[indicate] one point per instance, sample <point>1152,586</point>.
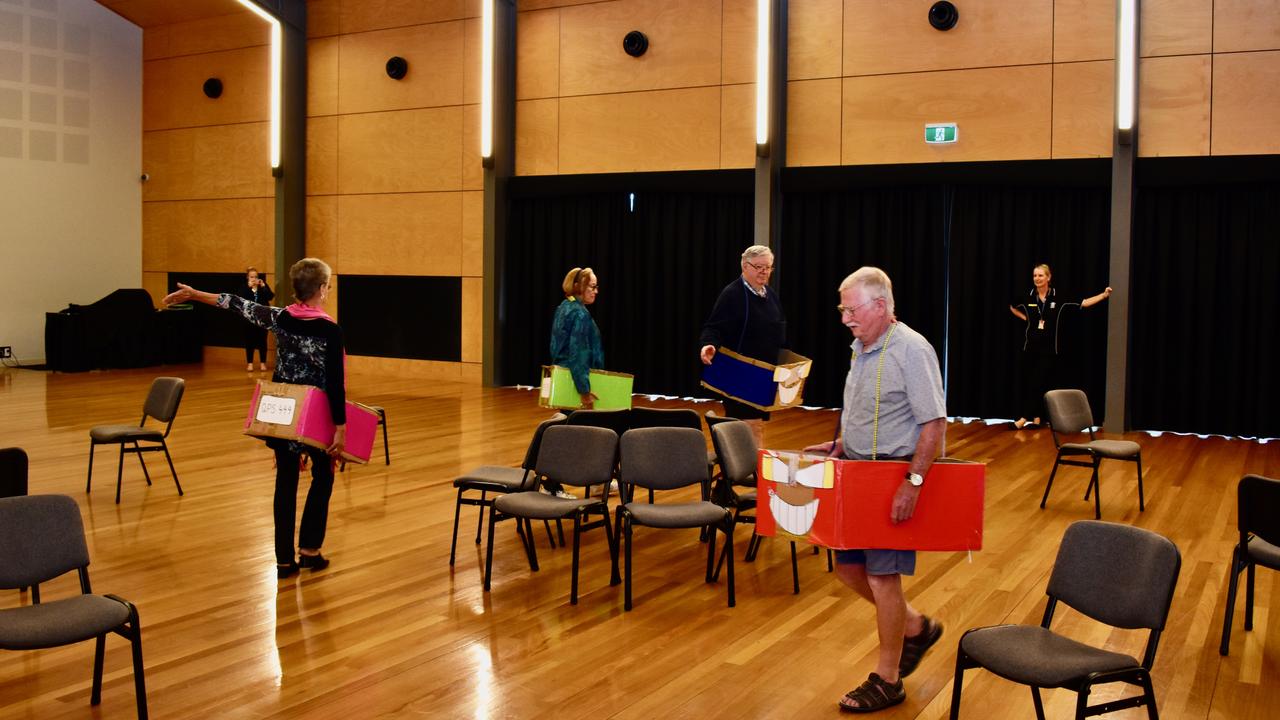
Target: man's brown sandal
<point>914,647</point>
<point>872,695</point>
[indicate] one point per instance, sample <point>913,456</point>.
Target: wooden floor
<point>390,630</point>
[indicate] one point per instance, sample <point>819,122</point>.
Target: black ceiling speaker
<point>397,67</point>
<point>213,88</point>
<point>635,43</point>
<point>943,15</point>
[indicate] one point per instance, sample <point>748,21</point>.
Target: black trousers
<point>315,513</point>
<point>1039,376</point>
<point>255,338</point>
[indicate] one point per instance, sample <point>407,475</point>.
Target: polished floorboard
<point>390,630</point>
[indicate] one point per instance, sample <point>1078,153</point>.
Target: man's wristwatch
<point>915,479</point>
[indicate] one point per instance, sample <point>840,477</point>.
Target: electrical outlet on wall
<point>6,351</point>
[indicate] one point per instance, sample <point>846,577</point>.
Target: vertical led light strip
<point>486,81</point>
<point>1126,64</point>
<point>763,21</point>
<point>277,51</point>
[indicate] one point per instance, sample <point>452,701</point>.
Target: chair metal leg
<point>560,531</point>
<point>795,571</point>
<point>1233,581</point>
<point>139,676</point>
<point>1049,484</point>
<point>164,446</point>
<point>1248,589</point>
<point>551,538</point>
<point>614,577</point>
<point>1097,491</point>
<point>1142,505</point>
<point>1035,698</point>
<point>386,447</point>
<point>626,579</point>
<point>457,512</point>
<point>711,552</point>
<point>137,450</point>
<point>1082,702</point>
<point>831,561</point>
<point>89,480</point>
<point>480,520</point>
<point>119,473</point>
<point>488,554</point>
<point>577,539</point>
<point>957,685</point>
<point>528,533</point>
<point>99,649</point>
<point>728,545</point>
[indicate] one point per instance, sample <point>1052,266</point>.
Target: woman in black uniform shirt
<point>255,290</point>
<point>1041,310</point>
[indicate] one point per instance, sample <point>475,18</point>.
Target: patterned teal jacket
<point>575,342</point>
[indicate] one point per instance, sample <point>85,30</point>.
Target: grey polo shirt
<point>910,394</point>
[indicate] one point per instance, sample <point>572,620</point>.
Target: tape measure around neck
<point>875,418</point>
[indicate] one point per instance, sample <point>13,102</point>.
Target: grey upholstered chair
<point>1069,414</point>
<point>668,459</point>
<point>578,456</point>
<point>41,538</point>
<point>162,404</point>
<point>1116,574</point>
<point>498,480</point>
<point>1259,524</point>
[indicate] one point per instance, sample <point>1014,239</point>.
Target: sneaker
<point>565,496</point>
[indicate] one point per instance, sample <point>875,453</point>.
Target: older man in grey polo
<point>894,409</point>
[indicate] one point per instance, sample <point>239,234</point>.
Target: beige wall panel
<point>813,122</point>
<point>472,167</point>
<point>684,49</point>
<point>472,8</point>
<point>738,26</point>
<point>225,32</point>
<point>738,126</point>
<point>814,34</point>
<point>419,369</point>
<point>401,234</point>
<point>473,233</point>
<point>173,94</point>
<point>1173,105</point>
<point>990,33</point>
<point>322,155</point>
<point>1245,25</point>
<point>211,235</point>
<point>322,76</point>
<point>1083,109</point>
<point>322,230</point>
<point>523,5</point>
<point>157,285</point>
<point>435,60</point>
<point>1002,114</point>
<point>537,137</point>
<point>404,151</point>
<point>1083,30</point>
<point>471,41</point>
<point>365,15</point>
<point>472,319</point>
<point>1176,27</point>
<point>324,18</point>
<point>638,132</point>
<point>335,286</point>
<point>224,161</point>
<point>538,54</point>
<point>1246,121</point>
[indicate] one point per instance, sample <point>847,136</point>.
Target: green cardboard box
<point>612,389</point>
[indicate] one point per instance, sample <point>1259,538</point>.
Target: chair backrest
<point>735,446</point>
<point>13,472</point>
<point>162,401</point>
<point>618,421</point>
<point>664,458</point>
<point>1259,507</point>
<point>1068,412</point>
<point>644,417</point>
<point>1117,574</point>
<point>41,537</point>
<point>714,419</point>
<point>531,454</point>
<point>577,455</point>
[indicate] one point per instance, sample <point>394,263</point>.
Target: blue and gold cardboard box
<point>755,382</point>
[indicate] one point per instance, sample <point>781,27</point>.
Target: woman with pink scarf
<point>309,351</point>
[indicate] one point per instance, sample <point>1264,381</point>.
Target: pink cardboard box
<point>301,413</point>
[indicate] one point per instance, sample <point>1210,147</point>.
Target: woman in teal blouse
<point>575,339</point>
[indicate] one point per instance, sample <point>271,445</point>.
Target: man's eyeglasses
<point>851,309</point>
<point>760,268</point>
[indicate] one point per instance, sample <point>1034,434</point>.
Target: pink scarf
<point>307,312</point>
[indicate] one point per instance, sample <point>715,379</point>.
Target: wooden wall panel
<point>814,34</point>
<point>1245,120</point>
<point>1240,25</point>
<point>523,5</point>
<point>472,319</point>
<point>1176,27</point>
<point>416,369</point>
<point>225,32</point>
<point>1083,109</point>
<point>173,94</point>
<point>1083,30</point>
<point>402,151</point>
<point>471,49</point>
<point>211,235</point>
<point>322,76</point>
<point>684,49</point>
<point>1002,113</point>
<point>322,155</point>
<point>358,16</point>
<point>636,132</point>
<point>537,137</point>
<point>324,18</point>
<point>538,54</point>
<point>472,167</point>
<point>225,161</point>
<point>401,234</point>
<point>738,126</point>
<point>1173,105</point>
<point>473,233</point>
<point>738,28</point>
<point>322,230</point>
<point>435,57</point>
<point>990,33</point>
<point>157,285</point>
<point>813,122</point>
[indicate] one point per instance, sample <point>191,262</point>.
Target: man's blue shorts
<point>880,562</point>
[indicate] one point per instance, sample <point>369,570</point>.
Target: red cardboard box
<point>845,504</point>
<point>301,413</point>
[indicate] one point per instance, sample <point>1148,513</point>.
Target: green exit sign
<point>940,133</point>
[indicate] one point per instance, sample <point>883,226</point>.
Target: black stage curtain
<point>827,235</point>
<point>998,234</point>
<point>1203,319</point>
<point>661,261</point>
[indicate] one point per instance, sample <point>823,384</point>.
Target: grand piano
<point>122,330</point>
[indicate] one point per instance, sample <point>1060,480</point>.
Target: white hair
<point>874,281</point>
<point>755,251</point>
